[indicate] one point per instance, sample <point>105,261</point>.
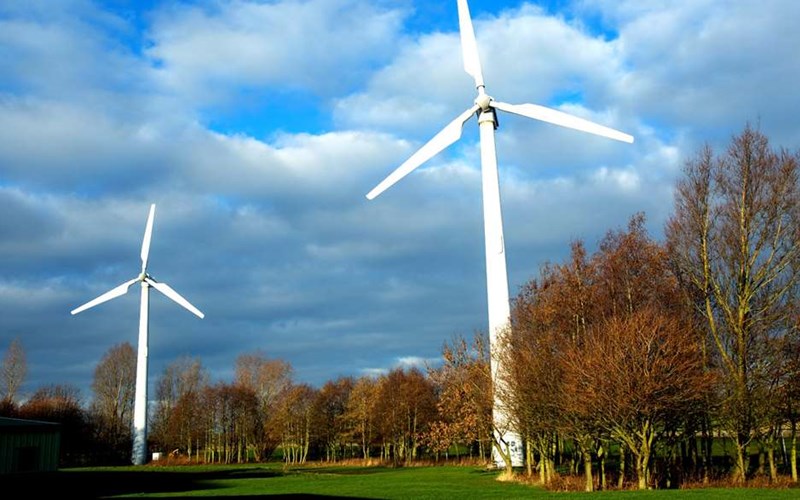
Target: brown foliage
<point>62,404</point>
<point>600,345</point>
<point>405,407</point>
<point>271,381</point>
<point>464,390</point>
<point>291,424</point>
<point>179,419</point>
<point>232,422</point>
<point>360,413</point>
<point>636,379</point>
<point>329,422</point>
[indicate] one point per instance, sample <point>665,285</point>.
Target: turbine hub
<point>483,100</point>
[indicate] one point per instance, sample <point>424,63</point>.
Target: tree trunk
<point>587,471</point>
<point>773,469</point>
<point>784,451</point>
<point>543,472</point>
<point>529,456</point>
<point>601,459</point>
<point>740,472</point>
<point>793,452</point>
<point>707,443</point>
<point>505,454</point>
<point>558,447</point>
<point>621,480</point>
<point>641,470</point>
<point>686,453</point>
<point>643,463</point>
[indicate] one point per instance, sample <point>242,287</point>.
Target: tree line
<point>632,364</point>
<point>662,351</point>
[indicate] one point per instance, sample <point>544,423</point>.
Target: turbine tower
<point>139,452</point>
<point>496,275</point>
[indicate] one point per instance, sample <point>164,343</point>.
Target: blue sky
<point>257,128</point>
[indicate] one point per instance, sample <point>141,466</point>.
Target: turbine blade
<point>148,233</point>
<point>111,294</point>
<point>469,47</point>
<point>175,296</point>
<point>563,119</point>
<point>447,136</point>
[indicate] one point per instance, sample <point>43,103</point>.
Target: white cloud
<point>204,50</point>
<point>373,372</point>
<point>416,362</point>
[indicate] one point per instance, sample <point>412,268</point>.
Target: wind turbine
<point>139,453</point>
<point>496,275</point>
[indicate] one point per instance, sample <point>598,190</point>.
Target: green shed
<point>28,445</point>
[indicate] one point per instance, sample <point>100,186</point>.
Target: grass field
<point>256,481</point>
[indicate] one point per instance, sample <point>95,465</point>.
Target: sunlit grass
<point>437,482</point>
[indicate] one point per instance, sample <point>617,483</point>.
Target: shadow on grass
<point>91,484</point>
<point>340,470</point>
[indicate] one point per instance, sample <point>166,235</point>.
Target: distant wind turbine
<point>496,275</point>
<point>140,405</point>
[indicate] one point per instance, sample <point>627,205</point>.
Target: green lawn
<point>272,480</point>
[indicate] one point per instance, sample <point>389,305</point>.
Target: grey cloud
<point>271,236</point>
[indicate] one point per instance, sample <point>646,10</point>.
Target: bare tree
<point>269,377</point>
<point>114,387</point>
<point>13,372</point>
<point>789,394</point>
<point>178,417</point>
<point>231,417</point>
<point>734,238</point>
<point>270,380</point>
<point>293,421</point>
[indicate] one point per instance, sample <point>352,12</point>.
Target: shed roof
<point>21,424</point>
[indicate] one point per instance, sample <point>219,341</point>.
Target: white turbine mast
<point>496,275</point>
<point>139,452</point>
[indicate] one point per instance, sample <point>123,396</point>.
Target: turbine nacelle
<point>483,101</point>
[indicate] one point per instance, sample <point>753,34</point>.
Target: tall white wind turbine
<point>139,452</point>
<point>496,276</point>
